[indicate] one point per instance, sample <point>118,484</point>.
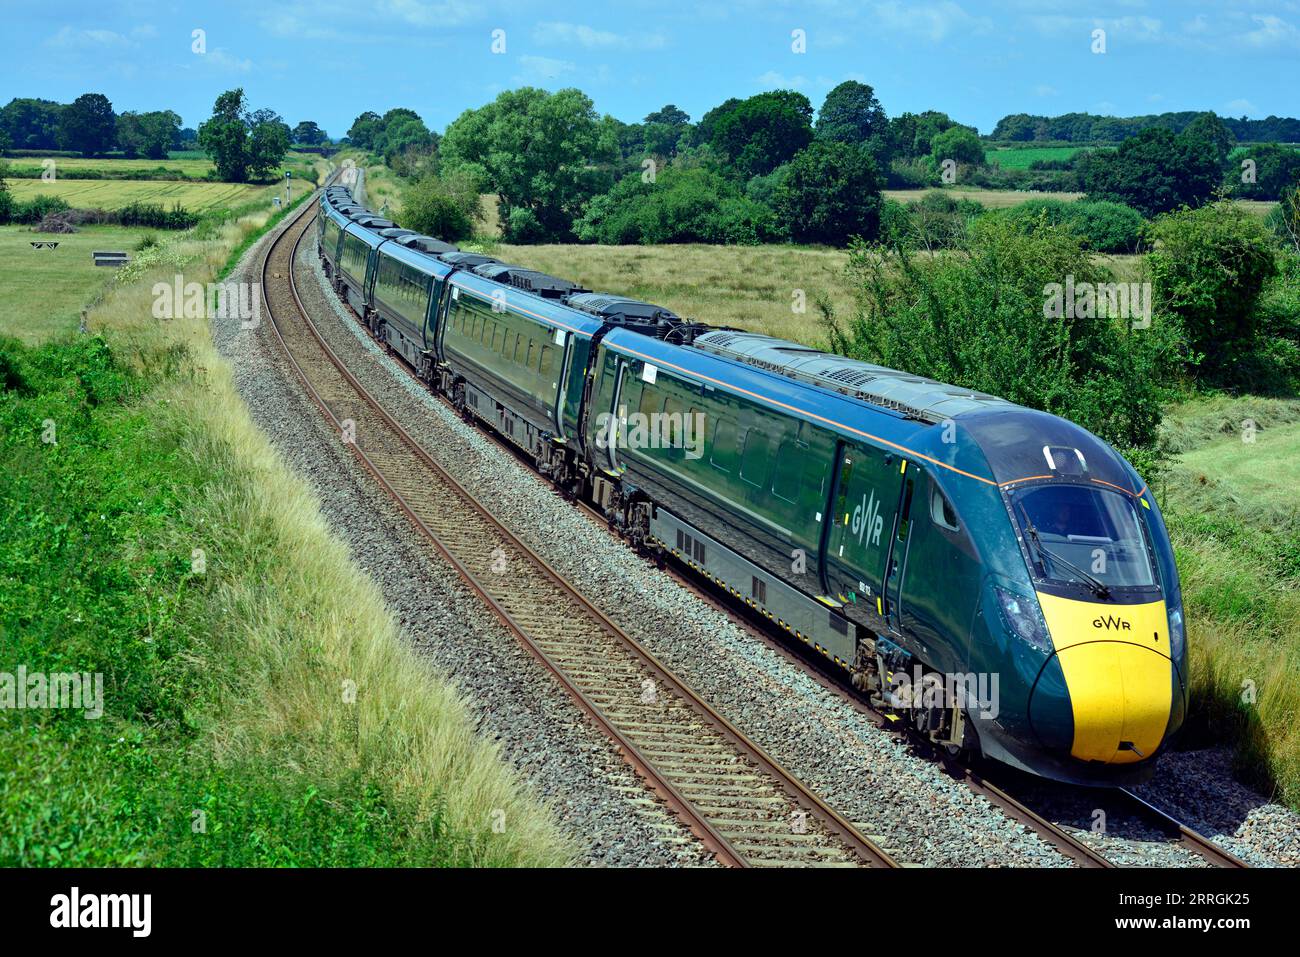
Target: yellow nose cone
<point>1115,659</point>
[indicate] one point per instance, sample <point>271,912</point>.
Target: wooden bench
<point>103,258</point>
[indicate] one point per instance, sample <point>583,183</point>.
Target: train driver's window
<point>941,510</point>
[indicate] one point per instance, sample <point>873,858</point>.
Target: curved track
<point>743,805</point>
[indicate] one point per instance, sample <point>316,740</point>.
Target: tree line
<point>89,126</point>
<point>1091,129</point>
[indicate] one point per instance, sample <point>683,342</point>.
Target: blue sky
<point>329,60</point>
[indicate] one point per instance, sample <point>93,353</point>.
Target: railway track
<point>745,807</point>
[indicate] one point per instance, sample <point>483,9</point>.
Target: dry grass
<point>749,287</point>
<point>304,620</point>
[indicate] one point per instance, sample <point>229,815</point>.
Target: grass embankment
<point>259,706</point>
<point>1234,518</point>
<point>116,193</point>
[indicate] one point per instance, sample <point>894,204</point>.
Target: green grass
<point>1234,519</point>
<point>44,290</point>
<point>227,737</point>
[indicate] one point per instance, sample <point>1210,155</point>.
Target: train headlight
<point>1177,633</point>
<point>1022,617</point>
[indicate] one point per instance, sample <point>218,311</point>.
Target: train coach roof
<point>911,395</point>
<point>465,260</point>
<point>426,244</point>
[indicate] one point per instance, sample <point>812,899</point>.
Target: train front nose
<point>1110,689</point>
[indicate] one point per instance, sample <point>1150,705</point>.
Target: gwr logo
<point>867,521</point>
<point>1111,621</point>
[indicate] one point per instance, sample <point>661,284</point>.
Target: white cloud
<point>1239,107</point>
<point>552,33</point>
<point>1272,32</point>
<point>930,21</point>
<point>538,70</point>
<point>220,58</point>
<point>419,13</point>
<point>1044,90</point>
<point>68,38</point>
<point>773,80</point>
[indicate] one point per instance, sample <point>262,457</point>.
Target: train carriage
<point>906,529</point>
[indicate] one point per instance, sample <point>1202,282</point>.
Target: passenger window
<point>785,484</point>
<point>723,453</point>
<point>544,362</point>
<point>941,510</point>
<point>651,402</point>
<point>755,463</point>
<point>532,351</point>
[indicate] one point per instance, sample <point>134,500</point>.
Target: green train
<point>996,576</point>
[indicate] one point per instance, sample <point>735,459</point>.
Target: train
<point>995,577</point>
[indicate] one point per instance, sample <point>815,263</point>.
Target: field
<point>1019,157</point>
<point>181,165</point>
<point>1235,523</point>
<point>114,194</point>
<point>751,287</point>
<point>44,290</point>
<point>990,198</point>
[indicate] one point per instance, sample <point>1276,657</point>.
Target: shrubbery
<point>978,320</point>
<point>443,207</point>
<point>1103,227</point>
<point>681,206</point>
<point>1209,268</point>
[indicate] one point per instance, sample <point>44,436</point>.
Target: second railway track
<point>741,804</point>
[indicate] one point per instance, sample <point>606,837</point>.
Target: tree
<point>88,125</point>
<point>547,152</point>
<point>959,144</point>
<point>1274,169</point>
<point>147,134</point>
<point>669,115</point>
<point>363,130</point>
<point>267,143</point>
<point>703,132</point>
<point>1211,137</point>
<point>308,133</point>
<point>830,193</point>
<point>1209,268</point>
<point>241,143</point>
<point>31,124</point>
<point>1154,172</point>
<point>764,131</point>
<point>851,114</point>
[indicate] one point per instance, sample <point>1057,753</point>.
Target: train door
<point>899,547</point>
<point>866,500</point>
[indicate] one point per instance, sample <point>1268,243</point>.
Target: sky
<point>328,60</point>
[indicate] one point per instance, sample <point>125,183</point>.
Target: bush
<point>830,194</point>
<point>443,208</point>
<point>6,201</point>
<point>1209,268</point>
<point>522,226</point>
<point>37,208</point>
<point>156,216</point>
<point>682,206</point>
<point>936,221</point>
<point>1102,226</point>
<point>979,320</point>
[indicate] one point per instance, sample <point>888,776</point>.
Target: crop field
<point>114,194</point>
<point>196,168</point>
<point>1019,157</point>
<point>44,290</point>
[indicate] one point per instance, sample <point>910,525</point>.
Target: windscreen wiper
<point>1098,587</point>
